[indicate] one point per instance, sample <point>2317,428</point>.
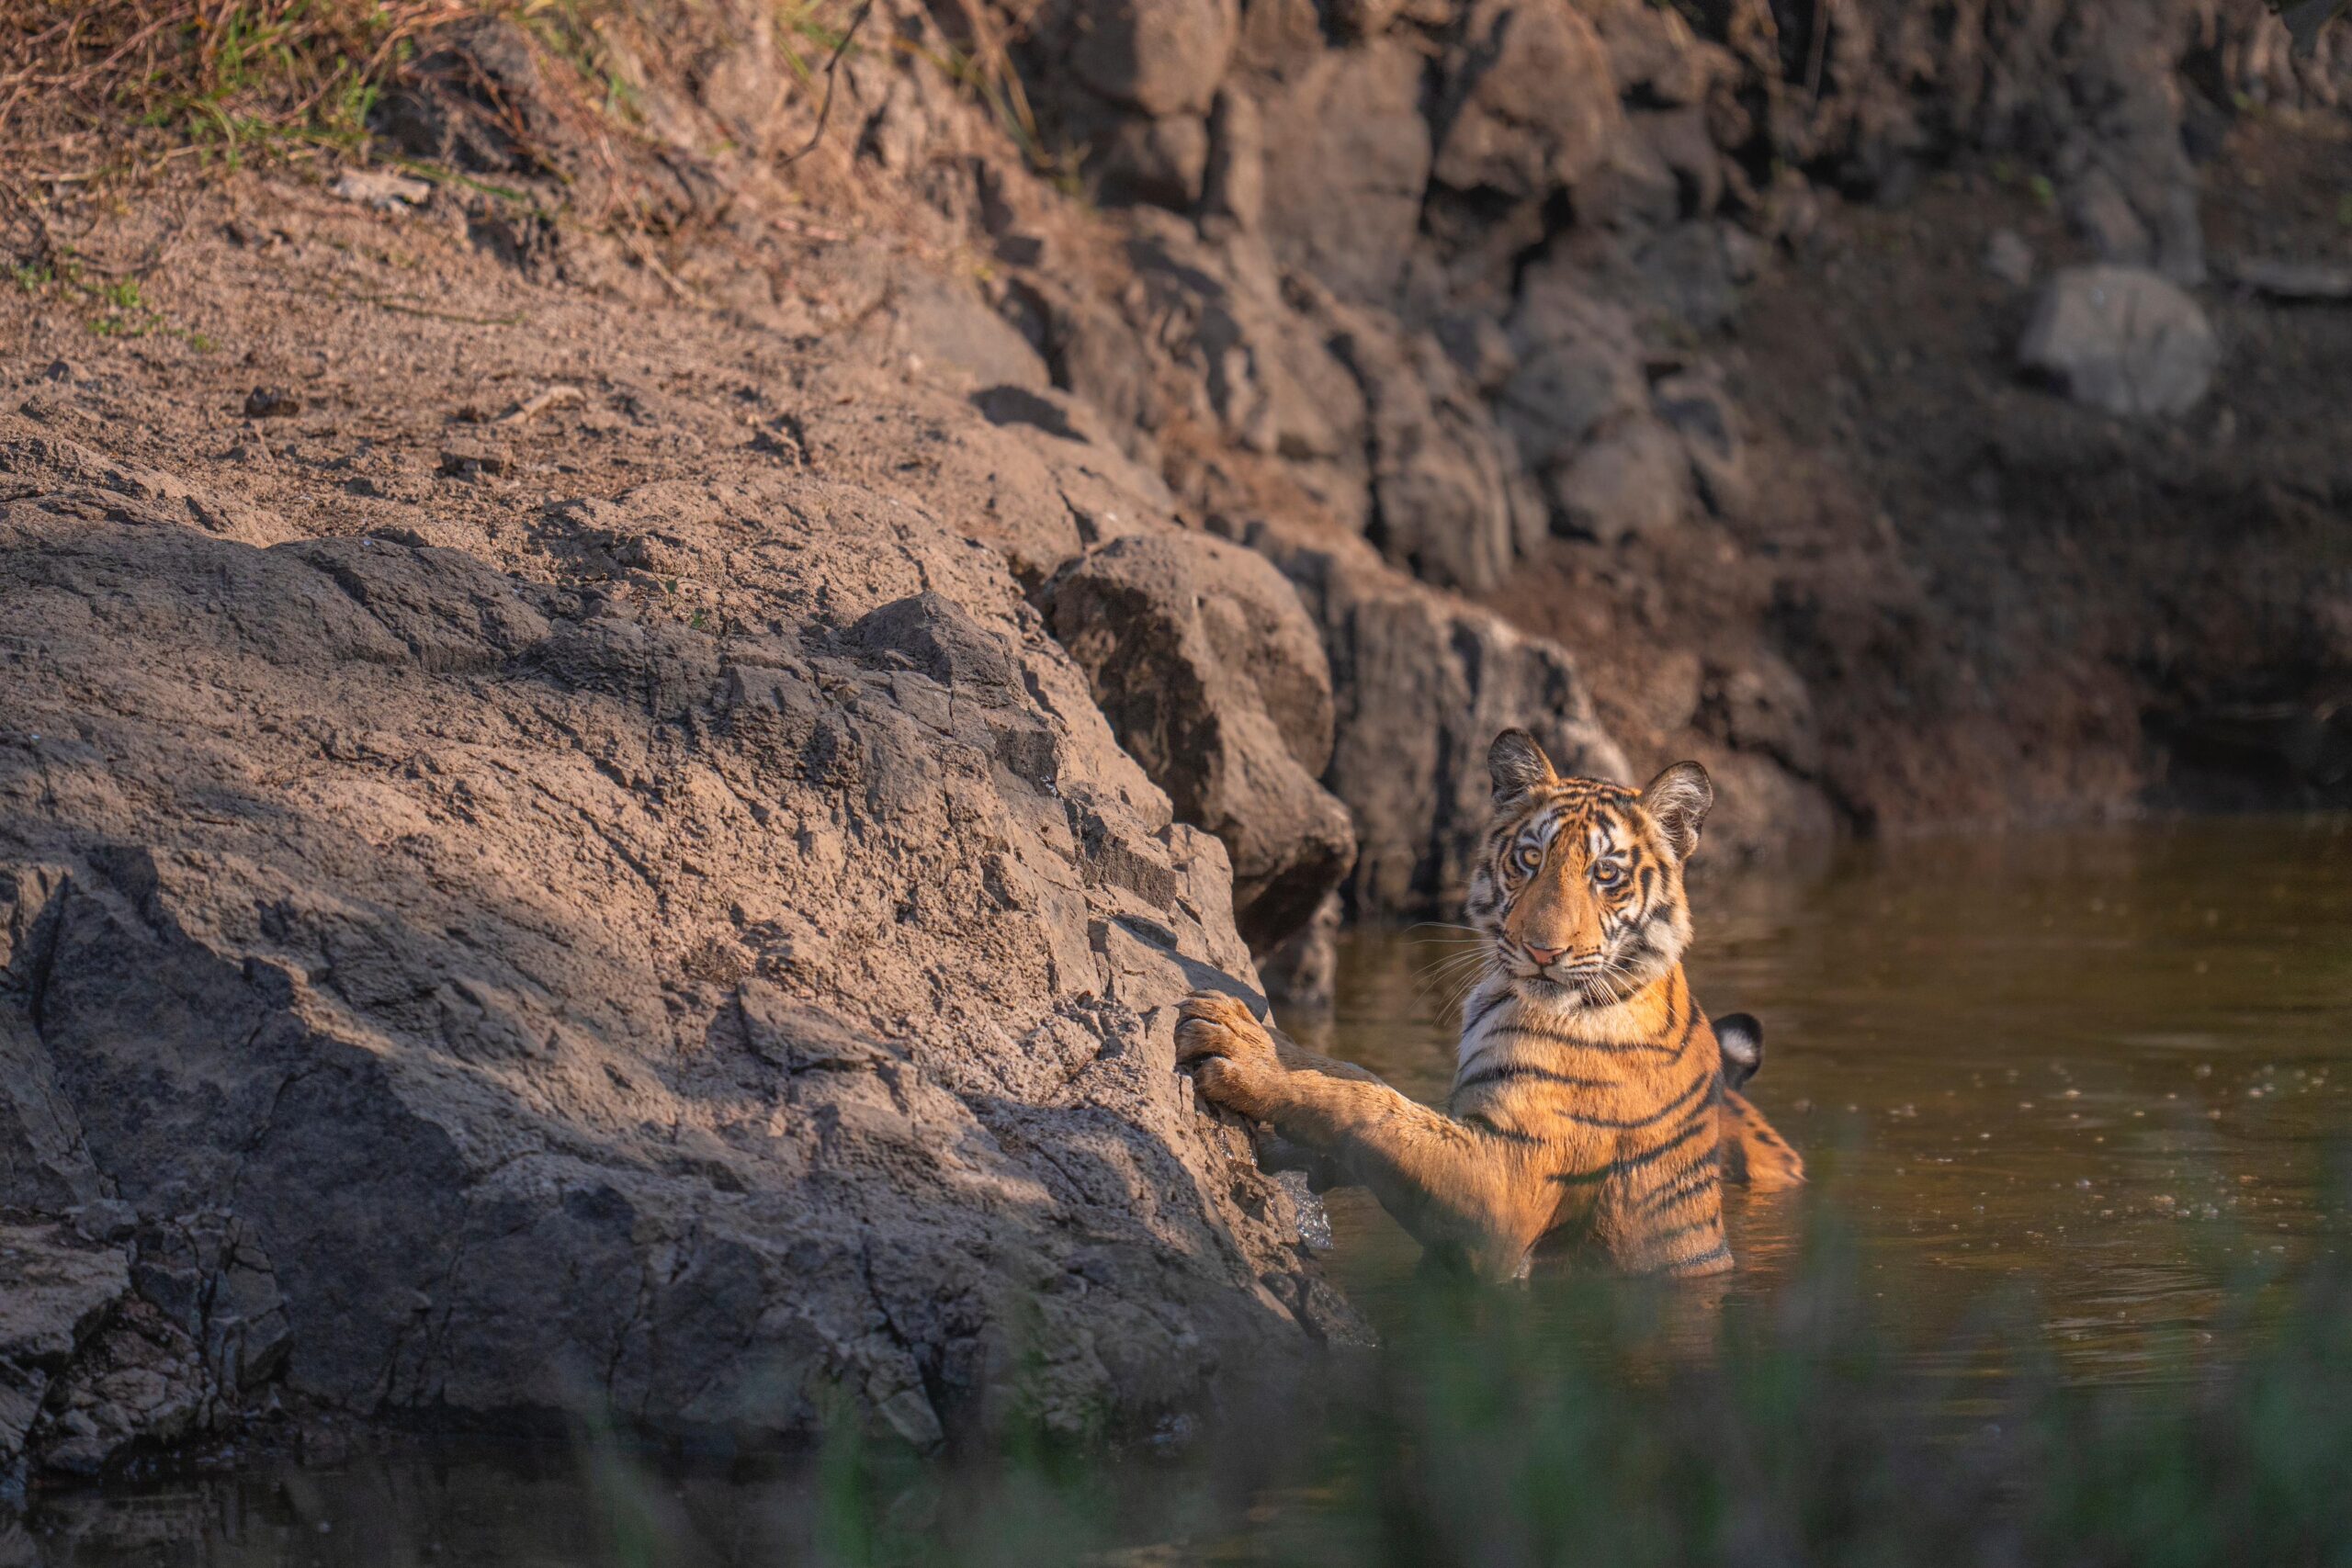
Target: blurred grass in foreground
<point>1608,1423</point>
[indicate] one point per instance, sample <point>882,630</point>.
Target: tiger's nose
<point>1543,955</point>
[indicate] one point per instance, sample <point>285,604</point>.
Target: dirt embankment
<point>692,690</point>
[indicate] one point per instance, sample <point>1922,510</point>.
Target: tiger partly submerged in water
<point>1591,1096</point>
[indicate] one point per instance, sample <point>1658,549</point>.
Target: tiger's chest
<point>1596,1086</point>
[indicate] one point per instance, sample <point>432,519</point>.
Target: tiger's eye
<point>1607,874</point>
<point>1526,857</point>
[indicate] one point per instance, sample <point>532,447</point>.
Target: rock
<point>475,98</point>
<point>1236,186</point>
<point>381,190</point>
<point>1212,678</point>
<point>1346,162</point>
<point>1758,704</point>
<point>1263,368</point>
<point>1421,683</point>
<point>1530,106</point>
<point>2122,339</point>
<point>1634,187</point>
<point>2009,259</point>
<point>1364,18</point>
<point>951,329</point>
<point>137,1382</point>
<point>412,921</point>
<point>103,1220</point>
<point>1579,366</point>
<point>1479,349</point>
<point>44,1165</point>
<point>1691,274</point>
<point>1695,407</point>
<point>73,477</point>
<point>1680,140</point>
<point>22,1389</point>
<point>2293,280</point>
<point>1161,56</point>
<point>1634,482</point>
<point>55,1290</point>
<point>472,459</point>
<point>1446,493</point>
<point>272,402</point>
<point>1162,160</point>
<point>1026,471</point>
<point>210,1277</point>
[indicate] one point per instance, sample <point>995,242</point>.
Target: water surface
<point>2107,1070</point>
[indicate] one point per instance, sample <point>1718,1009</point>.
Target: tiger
<point>1590,1099</point>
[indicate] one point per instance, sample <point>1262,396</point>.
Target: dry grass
<point>122,77</point>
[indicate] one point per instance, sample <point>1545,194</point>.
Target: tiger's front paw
<point>1231,1055</point>
<point>1212,1024</point>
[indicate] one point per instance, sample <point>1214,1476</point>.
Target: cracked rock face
<point>682,1005</point>
<point>1202,658</point>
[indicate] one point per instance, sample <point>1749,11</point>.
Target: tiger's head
<point>1579,888</point>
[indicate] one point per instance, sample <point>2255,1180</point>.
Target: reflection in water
<point>2100,1074</point>
<point>2107,1068</point>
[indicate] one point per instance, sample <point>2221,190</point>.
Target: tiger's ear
<point>1516,764</point>
<point>1677,801</point>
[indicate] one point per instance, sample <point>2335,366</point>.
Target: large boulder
<point>1531,106</point>
<point>2122,339</point>
<point>742,975</point>
<point>1202,658</point>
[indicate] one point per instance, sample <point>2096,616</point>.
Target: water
<point>2096,1077</point>
<point>2107,1070</point>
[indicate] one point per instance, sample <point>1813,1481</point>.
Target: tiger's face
<point>1579,889</point>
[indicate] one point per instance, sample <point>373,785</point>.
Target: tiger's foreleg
<point>1461,1190</point>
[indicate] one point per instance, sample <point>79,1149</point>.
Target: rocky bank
<point>616,740</point>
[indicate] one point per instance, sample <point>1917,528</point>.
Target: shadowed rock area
<point>745,1014</point>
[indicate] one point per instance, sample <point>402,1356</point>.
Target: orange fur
<point>1589,1099</point>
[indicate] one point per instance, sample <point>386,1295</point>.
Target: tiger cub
<point>1588,1094</point>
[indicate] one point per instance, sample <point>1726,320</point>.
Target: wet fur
<point>1589,1097</point>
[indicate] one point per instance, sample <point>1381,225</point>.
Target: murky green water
<point>2099,1076</point>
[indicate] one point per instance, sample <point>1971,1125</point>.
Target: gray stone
<point>2122,339</point>
<point>1346,162</point>
<point>1236,187</point>
<point>1695,407</point>
<point>1161,56</point>
<point>2009,259</point>
<point>1212,678</point>
<point>402,916</point>
<point>1530,106</point>
<point>1304,970</point>
<point>1632,481</point>
<point>55,1290</point>
<point>1443,471</point>
<point>1163,161</point>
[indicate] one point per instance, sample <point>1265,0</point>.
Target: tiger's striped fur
<point>1589,1097</point>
